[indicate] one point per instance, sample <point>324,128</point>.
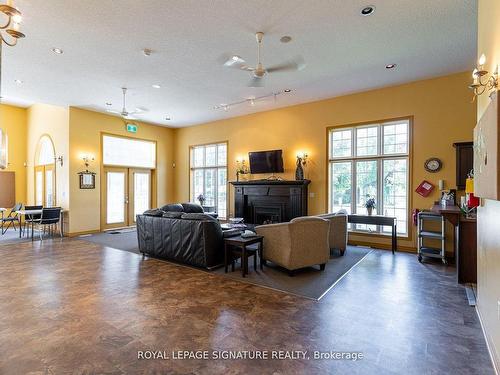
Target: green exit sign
<point>132,128</point>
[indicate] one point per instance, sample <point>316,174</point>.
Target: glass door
<point>126,193</point>
<point>115,197</point>
<point>139,192</point>
<point>45,185</point>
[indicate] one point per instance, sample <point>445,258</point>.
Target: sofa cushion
<point>173,215</point>
<point>197,216</point>
<point>154,212</point>
<point>192,208</point>
<point>173,207</point>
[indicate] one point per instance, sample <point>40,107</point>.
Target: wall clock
<point>433,165</point>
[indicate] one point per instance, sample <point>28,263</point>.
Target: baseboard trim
<point>495,360</point>
<point>382,246</point>
<point>76,234</point>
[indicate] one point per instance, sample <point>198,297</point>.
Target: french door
<point>45,185</point>
<point>126,193</point>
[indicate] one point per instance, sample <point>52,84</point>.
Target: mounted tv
<point>266,161</point>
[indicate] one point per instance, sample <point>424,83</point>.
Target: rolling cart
<point>425,235</point>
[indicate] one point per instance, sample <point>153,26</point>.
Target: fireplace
<point>264,201</point>
<point>267,214</point>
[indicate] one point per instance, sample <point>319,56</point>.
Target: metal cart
<point>428,235</point>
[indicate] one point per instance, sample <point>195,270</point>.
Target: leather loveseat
<point>182,233</point>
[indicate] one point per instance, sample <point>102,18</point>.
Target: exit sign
<point>132,128</point>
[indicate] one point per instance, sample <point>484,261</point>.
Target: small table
<point>242,243</point>
<point>378,220</point>
<point>39,212</point>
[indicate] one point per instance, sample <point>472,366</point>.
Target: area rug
<point>122,240</point>
<point>308,282</point>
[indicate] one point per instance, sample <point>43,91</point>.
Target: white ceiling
<point>345,52</point>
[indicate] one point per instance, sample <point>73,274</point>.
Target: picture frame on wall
<point>87,180</point>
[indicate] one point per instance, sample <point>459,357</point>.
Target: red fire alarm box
<point>425,188</point>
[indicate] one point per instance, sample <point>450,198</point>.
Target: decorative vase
<point>369,210</point>
<point>299,171</point>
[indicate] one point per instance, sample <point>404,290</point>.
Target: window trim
<point>408,156</point>
<point>191,170</point>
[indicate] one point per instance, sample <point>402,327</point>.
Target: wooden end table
<point>239,244</point>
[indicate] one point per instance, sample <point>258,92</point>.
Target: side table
<point>239,244</point>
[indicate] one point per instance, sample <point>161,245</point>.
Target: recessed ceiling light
<point>57,51</point>
<point>368,10</point>
<point>285,39</point>
<point>287,90</point>
<point>109,104</point>
<point>147,52</point>
<point>18,81</point>
<point>390,66</point>
<point>168,118</point>
<point>156,86</point>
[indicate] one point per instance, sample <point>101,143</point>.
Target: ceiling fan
<point>124,113</point>
<point>259,71</point>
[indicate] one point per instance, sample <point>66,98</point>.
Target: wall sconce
<point>480,85</point>
<point>87,160</point>
<point>60,160</point>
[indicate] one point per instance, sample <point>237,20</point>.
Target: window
<point>209,176</point>
<point>371,161</point>
<point>128,152</point>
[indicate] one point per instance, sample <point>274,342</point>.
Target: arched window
<point>45,173</point>
<point>46,153</point>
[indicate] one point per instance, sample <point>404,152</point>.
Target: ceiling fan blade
<point>291,65</point>
<point>256,82</point>
<point>234,62</point>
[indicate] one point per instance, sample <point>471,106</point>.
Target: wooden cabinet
<point>465,161</point>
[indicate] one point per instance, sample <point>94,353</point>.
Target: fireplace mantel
<point>262,201</point>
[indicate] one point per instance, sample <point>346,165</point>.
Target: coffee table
<point>240,245</point>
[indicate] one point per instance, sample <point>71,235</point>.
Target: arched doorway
<point>45,173</point>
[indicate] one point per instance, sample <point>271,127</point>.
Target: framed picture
<point>87,180</point>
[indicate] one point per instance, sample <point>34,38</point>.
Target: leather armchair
<point>302,242</point>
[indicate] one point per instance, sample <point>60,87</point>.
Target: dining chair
<point>49,219</point>
<point>31,219</point>
<point>12,218</point>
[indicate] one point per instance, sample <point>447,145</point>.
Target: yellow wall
<point>441,108</point>
<point>13,122</point>
<point>85,138</point>
<point>488,282</point>
<point>44,119</point>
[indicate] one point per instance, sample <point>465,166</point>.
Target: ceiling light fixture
<point>168,118</point>
<point>251,101</point>
<point>390,66</point>
<point>367,10</point>
<point>286,39</point>
<point>109,104</point>
<point>12,26</point>
<point>57,51</point>
<point>147,52</point>
<point>156,86</point>
<point>9,31</point>
<point>18,81</point>
<point>478,85</point>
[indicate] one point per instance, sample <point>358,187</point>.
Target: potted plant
<point>370,205</point>
<point>201,198</point>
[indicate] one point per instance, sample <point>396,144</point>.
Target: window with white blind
<point>371,161</point>
<point>209,176</point>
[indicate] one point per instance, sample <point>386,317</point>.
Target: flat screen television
<point>266,161</point>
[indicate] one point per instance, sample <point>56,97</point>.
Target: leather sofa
<point>182,233</point>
